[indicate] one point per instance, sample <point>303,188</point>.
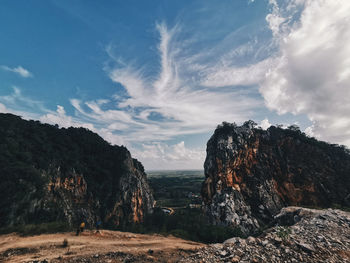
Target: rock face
<point>49,174</point>
<point>311,236</point>
<point>252,173</point>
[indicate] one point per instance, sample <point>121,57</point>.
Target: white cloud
<point>59,117</point>
<point>18,70</point>
<point>309,131</point>
<point>19,104</point>
<point>163,156</point>
<point>222,76</point>
<point>312,73</point>
<point>3,108</point>
<point>63,120</point>
<point>265,124</point>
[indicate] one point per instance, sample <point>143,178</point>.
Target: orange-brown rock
<point>252,173</point>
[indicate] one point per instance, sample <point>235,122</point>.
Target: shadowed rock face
<point>49,174</point>
<point>251,174</point>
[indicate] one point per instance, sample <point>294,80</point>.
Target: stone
<point>264,242</point>
<point>277,240</point>
<point>230,241</point>
<point>306,247</point>
<point>223,253</point>
<point>251,240</point>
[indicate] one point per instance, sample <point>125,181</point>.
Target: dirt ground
<point>107,246</point>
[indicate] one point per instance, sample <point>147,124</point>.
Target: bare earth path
<point>109,246</point>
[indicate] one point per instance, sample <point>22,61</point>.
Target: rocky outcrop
<point>314,236</point>
<point>252,173</point>
<point>49,174</point>
<point>69,199</point>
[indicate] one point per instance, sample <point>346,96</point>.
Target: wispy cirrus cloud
<point>175,103</point>
<point>19,70</point>
<point>223,76</point>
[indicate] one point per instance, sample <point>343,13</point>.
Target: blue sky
<point>158,76</point>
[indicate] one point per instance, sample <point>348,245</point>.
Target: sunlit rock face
<point>69,175</point>
<point>252,173</point>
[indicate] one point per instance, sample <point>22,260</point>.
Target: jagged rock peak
<point>252,173</point>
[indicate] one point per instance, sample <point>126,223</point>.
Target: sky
<point>159,76</point>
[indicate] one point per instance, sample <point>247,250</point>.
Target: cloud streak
<point>19,70</point>
<point>180,103</point>
<point>22,105</point>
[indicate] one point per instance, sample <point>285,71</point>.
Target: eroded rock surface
<point>252,173</point>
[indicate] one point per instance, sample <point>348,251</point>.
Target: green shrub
<point>283,232</point>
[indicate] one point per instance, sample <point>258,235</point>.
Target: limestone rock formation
<point>49,174</point>
<point>252,173</point>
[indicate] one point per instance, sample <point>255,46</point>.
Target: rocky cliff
<point>49,174</point>
<point>252,173</point>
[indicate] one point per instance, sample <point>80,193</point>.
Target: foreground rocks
<point>314,236</point>
<point>252,173</point>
